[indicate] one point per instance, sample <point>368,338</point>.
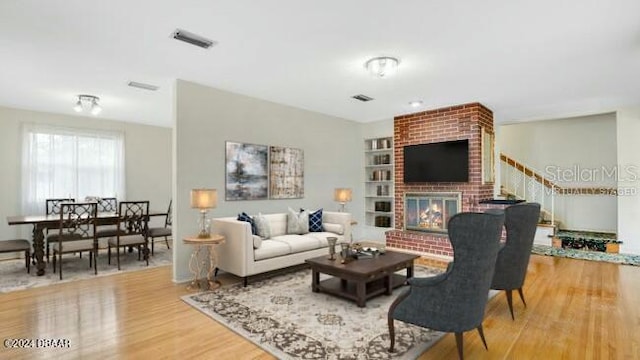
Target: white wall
<point>588,142</point>
<point>147,152</point>
<point>628,121</point>
<point>205,118</point>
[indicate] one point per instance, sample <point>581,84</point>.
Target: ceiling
<point>525,60</point>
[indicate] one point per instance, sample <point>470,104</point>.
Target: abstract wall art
<point>246,171</point>
<point>286,173</point>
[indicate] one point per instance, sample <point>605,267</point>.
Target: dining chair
<point>77,233</point>
<point>105,205</point>
<point>133,224</point>
<point>18,245</point>
<point>156,232</point>
<point>455,300</point>
<point>53,207</point>
<point>521,223</point>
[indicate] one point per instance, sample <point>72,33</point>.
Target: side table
<point>197,262</point>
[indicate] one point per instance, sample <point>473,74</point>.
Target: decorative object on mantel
<point>342,196</point>
<point>246,171</point>
<point>204,199</point>
<point>286,173</point>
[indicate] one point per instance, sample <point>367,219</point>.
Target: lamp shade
<point>204,198</point>
<point>342,195</point>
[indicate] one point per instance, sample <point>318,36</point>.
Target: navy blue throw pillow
<point>315,221</point>
<point>245,217</point>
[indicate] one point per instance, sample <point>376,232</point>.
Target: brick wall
<point>446,124</point>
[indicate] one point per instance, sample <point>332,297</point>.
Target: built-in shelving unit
<point>379,207</point>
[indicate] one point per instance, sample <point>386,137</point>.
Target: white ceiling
<point>523,59</point>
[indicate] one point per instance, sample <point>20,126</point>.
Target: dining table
<point>42,222</point>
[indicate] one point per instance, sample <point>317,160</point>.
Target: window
<point>61,162</point>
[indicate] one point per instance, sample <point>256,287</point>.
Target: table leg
<point>410,270</point>
<point>213,263</point>
<point>195,268</point>
<point>361,293</point>
<point>38,248</point>
<point>315,281</point>
<point>388,284</point>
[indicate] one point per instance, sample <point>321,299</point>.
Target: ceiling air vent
<point>143,86</point>
<point>192,39</point>
<point>361,97</point>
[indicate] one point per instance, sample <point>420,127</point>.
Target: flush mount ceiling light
<point>89,103</point>
<point>415,103</point>
<point>382,66</point>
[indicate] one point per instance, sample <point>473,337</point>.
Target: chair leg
<point>166,240</point>
<point>95,262</point>
<point>481,332</point>
<point>139,253</point>
<point>60,264</point>
<point>392,308</point>
<point>27,260</point>
<point>152,245</point>
<point>90,259</point>
<point>109,253</point>
<point>510,302</point>
<point>118,252</point>
<point>459,345</point>
<point>54,263</point>
<point>47,245</point>
<point>522,296</point>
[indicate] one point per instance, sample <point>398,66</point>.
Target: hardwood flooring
<point>576,310</point>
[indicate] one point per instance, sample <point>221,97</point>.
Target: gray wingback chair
<point>455,300</point>
<point>521,221</point>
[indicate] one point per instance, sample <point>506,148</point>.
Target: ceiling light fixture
<point>382,66</point>
<point>192,39</point>
<point>415,103</point>
<point>88,102</point>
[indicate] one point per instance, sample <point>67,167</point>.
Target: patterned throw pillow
<point>297,222</point>
<point>263,226</point>
<point>315,221</point>
<point>245,217</point>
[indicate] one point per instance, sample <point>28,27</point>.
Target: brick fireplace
<point>446,124</point>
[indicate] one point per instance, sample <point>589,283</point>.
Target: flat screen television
<point>437,162</point>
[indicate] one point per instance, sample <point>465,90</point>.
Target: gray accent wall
<point>205,118</point>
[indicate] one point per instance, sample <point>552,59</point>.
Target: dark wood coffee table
<point>361,279</point>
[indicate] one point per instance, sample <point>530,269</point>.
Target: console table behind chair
<point>196,263</point>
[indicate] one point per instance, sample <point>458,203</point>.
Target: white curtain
<point>60,162</point>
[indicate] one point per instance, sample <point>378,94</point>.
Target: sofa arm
<point>341,218</point>
<point>236,252</point>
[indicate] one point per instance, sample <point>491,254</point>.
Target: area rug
<point>626,259</point>
<point>285,318</point>
<point>15,277</point>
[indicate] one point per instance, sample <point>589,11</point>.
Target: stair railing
<point>528,184</point>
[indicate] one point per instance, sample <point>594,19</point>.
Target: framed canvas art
<point>247,176</point>
<point>286,173</point>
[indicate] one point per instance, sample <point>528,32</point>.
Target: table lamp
<point>342,196</point>
<point>204,199</point>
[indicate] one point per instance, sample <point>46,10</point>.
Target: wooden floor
<point>576,310</point>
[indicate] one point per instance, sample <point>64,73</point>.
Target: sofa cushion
<point>333,228</point>
<point>322,237</point>
<point>257,241</point>
<point>299,243</point>
<point>271,249</point>
<point>278,223</point>
<point>243,216</point>
<point>263,226</point>
<point>315,221</point>
<point>297,222</point>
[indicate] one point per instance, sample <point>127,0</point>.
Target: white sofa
<point>244,254</point>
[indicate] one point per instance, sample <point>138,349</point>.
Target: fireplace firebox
<point>430,212</point>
